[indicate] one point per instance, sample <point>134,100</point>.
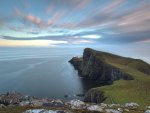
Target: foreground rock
<point>45,111</point>
<point>77,104</point>
<point>60,106</point>
<point>112,111</point>
<point>131,104</point>
<point>96,108</point>
<point>12,98</point>
<point>147,111</point>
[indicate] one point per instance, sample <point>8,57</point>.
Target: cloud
<point>117,21</point>
<point>34,19</point>
<point>64,39</point>
<point>30,18</point>
<point>31,42</point>
<point>49,9</point>
<point>136,20</point>
<point>82,4</point>
<point>91,36</point>
<point>82,42</point>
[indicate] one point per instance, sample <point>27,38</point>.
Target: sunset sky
<point>75,23</point>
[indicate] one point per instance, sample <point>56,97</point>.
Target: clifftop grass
<point>122,91</point>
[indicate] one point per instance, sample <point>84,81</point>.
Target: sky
<point>74,22</point>
<point>109,24</point>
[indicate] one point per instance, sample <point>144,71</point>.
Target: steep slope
<point>132,75</point>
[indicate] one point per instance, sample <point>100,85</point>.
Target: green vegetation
<point>122,91</point>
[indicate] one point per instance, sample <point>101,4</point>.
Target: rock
<point>80,95</point>
<point>95,108</point>
<point>76,62</point>
<point>112,111</point>
<point>36,103</point>
<point>120,109</point>
<point>131,104</point>
<point>35,111</point>
<point>45,111</point>
<point>104,105</point>
<point>54,103</point>
<point>126,110</point>
<point>11,98</point>
<point>77,104</point>
<point>24,103</point>
<point>58,101</point>
<point>11,105</point>
<point>2,106</point>
<point>94,96</point>
<point>115,105</point>
<point>148,107</point>
<point>147,111</point>
<point>66,96</point>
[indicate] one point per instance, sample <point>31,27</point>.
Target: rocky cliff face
<point>93,66</point>
<point>94,96</point>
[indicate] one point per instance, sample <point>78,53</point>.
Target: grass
<point>122,91</point>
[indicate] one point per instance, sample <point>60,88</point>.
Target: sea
<point>42,72</point>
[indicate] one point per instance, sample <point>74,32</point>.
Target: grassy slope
<point>122,91</point>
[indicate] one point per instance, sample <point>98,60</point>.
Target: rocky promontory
<point>106,68</point>
<point>93,66</point>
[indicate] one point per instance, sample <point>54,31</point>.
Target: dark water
<point>42,72</point>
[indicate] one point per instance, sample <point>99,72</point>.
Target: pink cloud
<point>17,12</point>
<point>35,20</point>
<point>49,9</point>
<point>82,4</point>
<point>55,17</point>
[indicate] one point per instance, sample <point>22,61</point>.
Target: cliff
<point>131,76</point>
<point>94,65</point>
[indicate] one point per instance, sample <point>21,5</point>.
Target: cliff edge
<point>131,76</point>
<point>95,66</point>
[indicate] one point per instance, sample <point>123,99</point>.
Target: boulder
<point>131,104</point>
<point>77,104</point>
<point>148,107</point>
<point>112,111</point>
<point>11,98</point>
<point>54,103</point>
<point>2,106</point>
<point>45,111</point>
<point>103,105</point>
<point>95,108</point>
<point>147,111</point>
<point>24,103</point>
<point>36,103</point>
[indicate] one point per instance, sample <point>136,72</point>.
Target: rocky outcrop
<point>45,111</point>
<point>94,96</point>
<point>77,62</point>
<point>12,98</point>
<point>28,104</point>
<point>93,66</point>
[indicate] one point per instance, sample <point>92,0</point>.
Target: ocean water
<point>41,72</point>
